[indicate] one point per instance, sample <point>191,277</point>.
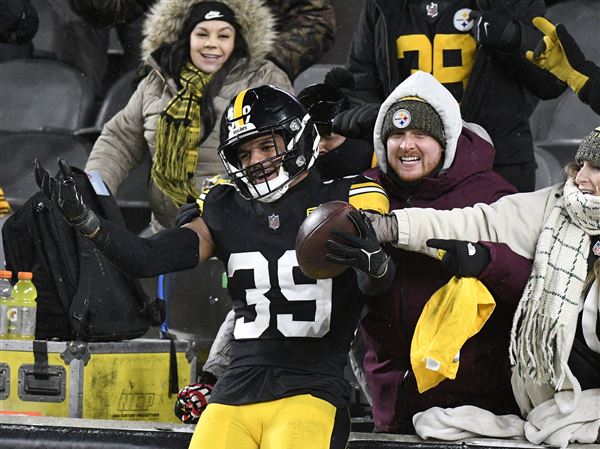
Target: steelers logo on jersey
<point>461,20</point>
<point>401,118</point>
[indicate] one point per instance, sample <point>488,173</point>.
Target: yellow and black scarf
<point>177,136</point>
<point>4,206</point>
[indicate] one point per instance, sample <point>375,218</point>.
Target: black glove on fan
<point>186,213</point>
<point>363,252</point>
<point>462,259</point>
<point>357,122</point>
<point>496,28</point>
<point>339,77</point>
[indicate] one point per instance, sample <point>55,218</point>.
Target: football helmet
<point>260,111</point>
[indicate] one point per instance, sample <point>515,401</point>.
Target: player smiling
<point>285,383</point>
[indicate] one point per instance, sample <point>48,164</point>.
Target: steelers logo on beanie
<point>413,113</point>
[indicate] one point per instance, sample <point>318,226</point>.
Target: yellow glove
<point>559,54</point>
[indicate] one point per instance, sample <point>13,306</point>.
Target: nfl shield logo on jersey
<point>274,221</point>
<point>432,9</point>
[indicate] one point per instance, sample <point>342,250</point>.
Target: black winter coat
<point>497,93</point>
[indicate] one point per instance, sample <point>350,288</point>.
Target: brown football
<point>315,231</point>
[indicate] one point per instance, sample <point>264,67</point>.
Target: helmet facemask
<point>294,156</point>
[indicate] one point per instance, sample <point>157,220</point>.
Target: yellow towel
<point>453,314</point>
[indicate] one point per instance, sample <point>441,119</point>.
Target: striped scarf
<point>547,313</point>
<point>4,206</point>
<point>177,134</point>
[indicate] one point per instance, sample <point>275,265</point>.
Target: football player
<point>292,334</point>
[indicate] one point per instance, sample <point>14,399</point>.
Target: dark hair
<point>593,275</point>
<point>176,55</point>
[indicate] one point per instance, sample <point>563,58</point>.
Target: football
<point>315,231</point>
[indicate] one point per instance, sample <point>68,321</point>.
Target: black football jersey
<point>292,333</point>
<point>435,37</point>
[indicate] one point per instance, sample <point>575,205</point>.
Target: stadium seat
<point>47,40</point>
<point>10,51</point>
<point>549,169</point>
<point>116,98</point>
<point>314,74</point>
<point>19,150</point>
<point>39,94</point>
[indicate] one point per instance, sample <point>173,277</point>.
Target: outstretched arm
<point>168,251</point>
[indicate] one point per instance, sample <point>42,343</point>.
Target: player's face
<point>258,150</point>
<point>211,45</point>
<point>588,178</point>
<point>413,154</point>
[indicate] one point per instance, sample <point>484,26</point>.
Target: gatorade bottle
<point>5,302</point>
<point>24,295</point>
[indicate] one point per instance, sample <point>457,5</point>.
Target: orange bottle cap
<point>25,275</point>
<point>5,274</point>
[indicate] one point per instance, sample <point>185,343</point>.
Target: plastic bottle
<point>24,295</point>
<point>5,302</point>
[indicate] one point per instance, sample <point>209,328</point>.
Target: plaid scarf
<point>546,317</point>
<point>177,135</point>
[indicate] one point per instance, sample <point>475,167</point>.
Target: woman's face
<point>588,178</point>
<point>211,44</point>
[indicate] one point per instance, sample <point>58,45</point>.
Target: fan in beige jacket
<point>128,137</point>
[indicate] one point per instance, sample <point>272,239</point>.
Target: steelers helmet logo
<point>461,20</point>
<point>239,116</point>
<point>401,118</point>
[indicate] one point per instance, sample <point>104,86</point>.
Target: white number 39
<point>286,324</point>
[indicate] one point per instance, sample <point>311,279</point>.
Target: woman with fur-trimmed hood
<point>202,53</point>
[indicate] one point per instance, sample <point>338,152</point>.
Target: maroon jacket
<point>483,377</point>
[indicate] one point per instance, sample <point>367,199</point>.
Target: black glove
<point>496,28</point>
<point>65,197</point>
<point>357,122</point>
<point>462,259</point>
<point>339,77</point>
<point>187,213</point>
<point>363,252</point>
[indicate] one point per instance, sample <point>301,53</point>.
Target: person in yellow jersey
<point>285,385</point>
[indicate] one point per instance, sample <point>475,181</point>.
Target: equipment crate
<point>132,380</point>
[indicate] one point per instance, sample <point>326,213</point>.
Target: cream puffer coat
<point>130,134</point>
